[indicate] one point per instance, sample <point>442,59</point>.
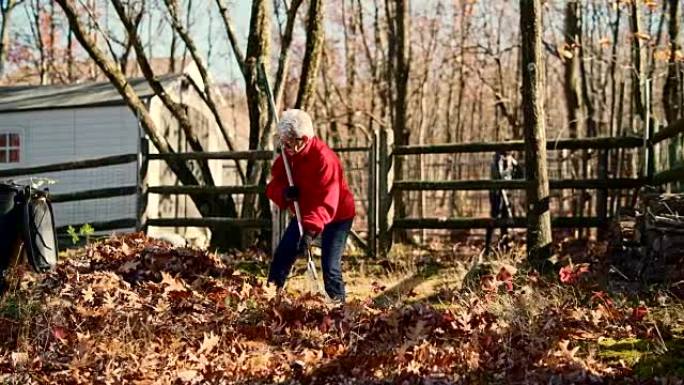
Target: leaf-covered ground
<point>131,310</point>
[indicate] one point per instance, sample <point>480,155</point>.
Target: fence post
<point>385,196</point>
<point>141,194</point>
<point>602,194</point>
<point>651,156</point>
<point>372,213</point>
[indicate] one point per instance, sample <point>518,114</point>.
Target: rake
<point>310,266</point>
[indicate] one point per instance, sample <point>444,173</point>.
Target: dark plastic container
<point>26,216</point>
<point>10,225</point>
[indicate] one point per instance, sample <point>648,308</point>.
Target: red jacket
<point>324,195</point>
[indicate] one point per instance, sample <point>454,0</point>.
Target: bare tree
<point>398,59</point>
<point>590,123</point>
<point>312,55</point>
<point>206,205</point>
<point>177,110</point>
<point>538,215</point>
<point>639,73</point>
<point>571,56</point>
<point>34,12</point>
<point>258,51</point>
<point>673,99</point>
<point>206,93</point>
<point>6,8</point>
<point>284,58</point>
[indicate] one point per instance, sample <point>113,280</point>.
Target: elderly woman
<point>326,202</point>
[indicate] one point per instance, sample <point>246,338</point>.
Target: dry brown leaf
<point>19,359</point>
<point>188,375</point>
<point>129,266</point>
<point>88,295</point>
<point>126,250</point>
<point>172,283</point>
<point>209,343</point>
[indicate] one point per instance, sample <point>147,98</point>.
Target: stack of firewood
<point>648,243</point>
<point>663,234</point>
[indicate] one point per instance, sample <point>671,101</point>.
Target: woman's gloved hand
<point>291,193</point>
<point>305,242</point>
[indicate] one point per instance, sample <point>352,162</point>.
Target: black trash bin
<point>10,225</point>
<point>26,217</point>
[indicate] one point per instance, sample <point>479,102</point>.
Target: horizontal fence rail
<point>69,166</point>
<point>93,194</point>
<point>515,184</point>
<point>237,155</point>
<point>226,155</point>
<point>484,223</point>
<point>209,222</point>
<point>675,174</point>
<point>519,145</point>
<point>111,192</point>
<point>351,149</point>
<point>206,190</point>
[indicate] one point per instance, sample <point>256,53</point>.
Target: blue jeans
<point>333,240</point>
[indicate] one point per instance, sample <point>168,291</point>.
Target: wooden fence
<point>142,190</point>
<point>382,190</point>
<point>390,189</point>
<point>111,192</point>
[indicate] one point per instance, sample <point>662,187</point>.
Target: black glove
<point>291,193</point>
<point>305,242</point>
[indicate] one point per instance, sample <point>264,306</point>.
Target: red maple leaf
<point>59,333</point>
<point>505,277</point>
<point>566,274</point>
<point>639,312</point>
<point>571,273</point>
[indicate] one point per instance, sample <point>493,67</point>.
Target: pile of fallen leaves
<point>137,311</point>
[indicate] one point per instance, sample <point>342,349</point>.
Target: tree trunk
<point>284,58</point>
<point>613,107</point>
<point>638,73</point>
<point>235,45</point>
<point>5,23</point>
<point>37,34</point>
<point>590,124</point>
<point>70,55</point>
<point>350,29</point>
<point>51,67</point>
<point>172,52</point>
<point>672,90</point>
<point>128,46</point>
<point>538,215</point>
<point>399,56</point>
<point>312,56</point>
<point>573,30</point>
<point>258,51</point>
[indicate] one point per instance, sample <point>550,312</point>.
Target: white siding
<point>63,135</point>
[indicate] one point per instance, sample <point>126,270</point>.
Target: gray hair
<point>295,124</point>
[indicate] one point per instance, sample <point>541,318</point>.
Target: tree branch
<point>206,95</point>
<point>237,51</point>
<point>284,59</point>
<point>176,109</point>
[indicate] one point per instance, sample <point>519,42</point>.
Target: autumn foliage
<point>136,311</point>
